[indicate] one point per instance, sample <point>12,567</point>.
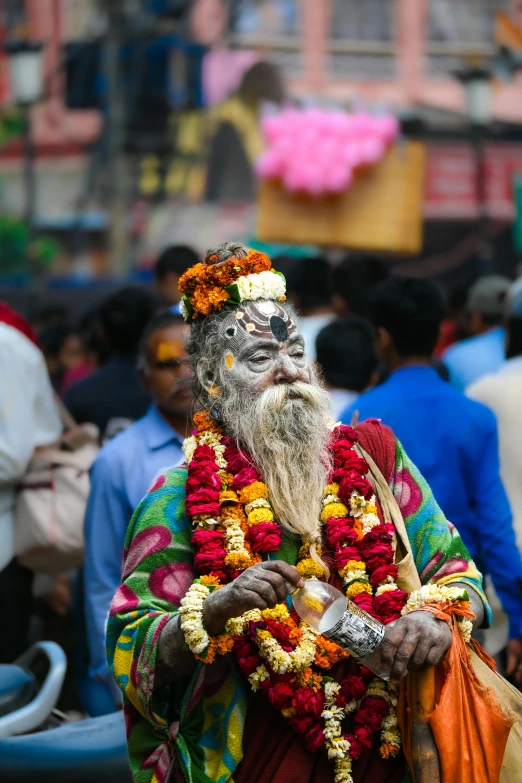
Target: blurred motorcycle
<point>37,744</point>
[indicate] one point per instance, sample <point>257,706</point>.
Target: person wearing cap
<point>483,352</point>
<point>502,392</point>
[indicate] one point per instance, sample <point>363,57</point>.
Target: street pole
<point>479,135</point>
<point>29,174</point>
<point>115,118</point>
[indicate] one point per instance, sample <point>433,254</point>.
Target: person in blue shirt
<point>452,439</point>
<point>482,353</point>
<point>122,474</point>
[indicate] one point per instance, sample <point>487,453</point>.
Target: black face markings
<point>279,328</point>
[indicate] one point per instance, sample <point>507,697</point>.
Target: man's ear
<point>206,376</point>
<point>383,339</point>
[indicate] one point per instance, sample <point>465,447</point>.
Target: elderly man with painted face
<point>221,680</point>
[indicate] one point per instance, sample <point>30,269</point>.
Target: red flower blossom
<point>377,555</point>
<point>351,481</point>
<point>210,558</point>
<point>315,738</point>
<point>206,538</point>
<point>309,702</point>
<point>339,531</point>
<point>388,605</point>
<point>202,501</point>
<point>246,655</point>
<point>342,556</point>
<point>281,695</point>
<point>365,602</point>
<point>245,477</point>
<point>265,536</point>
<point>352,687</point>
<point>202,451</point>
<point>381,533</point>
<point>345,431</point>
<point>235,460</point>
<point>202,476</point>
<point>364,735</point>
<point>279,632</point>
<point>303,724</point>
<point>371,713</point>
<point>380,574</point>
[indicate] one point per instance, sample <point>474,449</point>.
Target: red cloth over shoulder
<point>12,318</point>
<point>379,441</point>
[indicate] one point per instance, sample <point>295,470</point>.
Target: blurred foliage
<point>11,125</point>
<point>20,254</point>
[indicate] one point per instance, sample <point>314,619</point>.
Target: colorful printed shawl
<point>195,729</point>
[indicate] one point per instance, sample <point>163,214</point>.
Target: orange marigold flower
<point>253,492</point>
<point>234,512</point>
<point>322,660</point>
<point>309,678</point>
<point>224,643</point>
<point>219,645</point>
<point>189,279</point>
<point>228,496</point>
<point>295,636</point>
<point>387,750</point>
<point>237,560</point>
<point>226,478</point>
<point>328,653</point>
<point>208,579</point>
<point>357,526</point>
<point>204,421</point>
<point>205,284</point>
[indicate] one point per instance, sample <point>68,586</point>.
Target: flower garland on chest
<point>234,526</point>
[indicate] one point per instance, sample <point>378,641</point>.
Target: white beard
<point>284,430</point>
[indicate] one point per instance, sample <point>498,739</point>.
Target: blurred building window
<point>270,27</point>
<point>83,19</point>
<point>362,39</point>
<point>460,30</point>
<point>13,18</point>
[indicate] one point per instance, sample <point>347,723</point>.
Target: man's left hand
<point>415,640</point>
<point>514,659</point>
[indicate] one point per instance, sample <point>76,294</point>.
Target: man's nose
<point>286,371</point>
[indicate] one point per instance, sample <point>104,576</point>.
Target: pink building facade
<point>393,52</point>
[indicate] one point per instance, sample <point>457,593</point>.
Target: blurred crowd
<point>444,373</point>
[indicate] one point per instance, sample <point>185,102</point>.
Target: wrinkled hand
<point>261,586</point>
<point>418,639</point>
<point>514,659</point>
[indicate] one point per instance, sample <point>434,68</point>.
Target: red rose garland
<point>228,503</point>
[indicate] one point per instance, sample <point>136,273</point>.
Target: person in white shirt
<point>346,355</point>
<point>502,393</point>
<point>28,419</point>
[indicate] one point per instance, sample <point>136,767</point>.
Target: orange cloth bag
<point>470,725</point>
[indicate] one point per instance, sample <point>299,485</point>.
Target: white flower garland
<point>435,594</point>
<point>191,613</point>
<point>337,746</point>
<point>262,285</point>
<point>390,733</point>
<point>282,661</point>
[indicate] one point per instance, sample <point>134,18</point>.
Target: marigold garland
<point>204,286</point>
<point>234,524</point>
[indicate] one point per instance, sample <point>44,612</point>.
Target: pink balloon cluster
<point>316,151</point>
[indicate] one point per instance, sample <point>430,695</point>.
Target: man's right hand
<point>262,586</point>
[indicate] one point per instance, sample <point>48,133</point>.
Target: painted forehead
<point>266,320</point>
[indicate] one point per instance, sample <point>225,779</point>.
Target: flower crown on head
<point>230,274</point>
